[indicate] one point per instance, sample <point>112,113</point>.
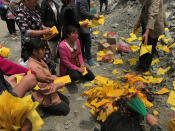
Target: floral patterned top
<point>28,20</point>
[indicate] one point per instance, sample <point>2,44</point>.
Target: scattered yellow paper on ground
<point>126,71</point>
<point>96,32</point>
<point>155,61</point>
<point>114,71</point>
<point>140,38</point>
<point>118,61</point>
<point>147,73</point>
<point>145,49</point>
<point>164,48</point>
<point>171,98</point>
<point>105,35</point>
<point>134,48</point>
<point>162,71</point>
<point>131,38</point>
<point>162,91</point>
<point>172,108</point>
<point>100,79</point>
<point>171,45</point>
<point>174,84</point>
<point>132,61</point>
<point>155,112</point>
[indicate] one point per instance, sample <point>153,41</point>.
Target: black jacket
<point>48,17</point>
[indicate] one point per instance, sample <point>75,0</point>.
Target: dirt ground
<point>121,21</point>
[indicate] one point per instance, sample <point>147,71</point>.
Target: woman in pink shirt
<point>71,60</point>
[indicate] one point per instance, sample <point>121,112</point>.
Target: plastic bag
<point>122,46</point>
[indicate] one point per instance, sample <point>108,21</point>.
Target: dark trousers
<point>75,75</point>
<point>101,4</point>
<point>59,109</point>
<point>146,59</point>
<point>85,40</point>
<point>11,25</point>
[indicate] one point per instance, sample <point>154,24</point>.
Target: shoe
<point>90,62</point>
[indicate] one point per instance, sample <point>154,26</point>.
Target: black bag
<point>3,13</point>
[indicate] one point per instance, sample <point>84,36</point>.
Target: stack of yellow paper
<point>54,32</point>
<point>14,111</point>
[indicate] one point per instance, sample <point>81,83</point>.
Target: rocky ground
<point>121,19</point>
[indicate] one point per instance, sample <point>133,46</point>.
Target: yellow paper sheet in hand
<point>171,98</point>
<point>54,32</point>
<point>4,52</point>
<point>86,20</point>
<point>85,71</point>
<point>118,61</point>
<point>145,49</point>
<point>155,61</point>
<point>132,61</point>
<point>99,21</point>
<point>65,79</point>
<point>162,71</point>
<point>18,78</point>
<point>162,91</point>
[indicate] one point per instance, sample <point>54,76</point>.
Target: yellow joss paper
<point>166,40</point>
<point>171,98</point>
<point>102,116</point>
<point>14,111</point>
<point>145,49</point>
<point>162,91</point>
<point>132,61</point>
<point>65,79</point>
<point>18,78</point>
<point>99,21</point>
<point>88,84</point>
<point>171,45</point>
<point>4,52</point>
<point>85,71</point>
<point>154,80</point>
<point>105,35</point>
<point>131,38</point>
<point>54,32</point>
<point>162,71</point>
<point>134,48</point>
<point>174,84</point>
<point>171,125</point>
<point>118,61</point>
<point>147,73</point>
<point>140,38</point>
<point>172,108</point>
<point>61,89</point>
<point>86,20</point>
<point>155,112</point>
<point>95,32</point>
<point>101,53</point>
<point>146,103</point>
<point>164,48</point>
<point>155,61</point>
<point>114,71</point>
<point>100,79</point>
<point>126,71</point>
<point>99,58</point>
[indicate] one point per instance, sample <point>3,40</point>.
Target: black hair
<point>35,44</point>
<point>67,31</point>
<point>65,2</point>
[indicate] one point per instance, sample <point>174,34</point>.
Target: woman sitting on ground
<point>71,61</point>
<point>51,101</point>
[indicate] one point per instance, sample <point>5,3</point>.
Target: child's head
<point>71,33</point>
<point>36,48</point>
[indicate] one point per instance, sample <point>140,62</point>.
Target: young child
<point>71,61</point>
<point>51,101</point>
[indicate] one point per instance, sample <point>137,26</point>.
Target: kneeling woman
<point>71,60</point>
<point>51,101</point>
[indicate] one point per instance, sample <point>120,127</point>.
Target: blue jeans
<point>85,40</point>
